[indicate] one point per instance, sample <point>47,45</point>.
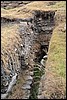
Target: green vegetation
<point>35,86</point>
<point>57,51</point>
<point>56,64</point>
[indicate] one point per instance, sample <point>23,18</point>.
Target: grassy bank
<point>55,74</point>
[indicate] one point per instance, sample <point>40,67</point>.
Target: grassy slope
<point>55,77</point>
<point>57,51</point>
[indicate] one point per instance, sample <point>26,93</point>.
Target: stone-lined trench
<point>35,34</point>
<point>44,24</point>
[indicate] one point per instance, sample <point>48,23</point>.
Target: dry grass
<point>25,11</point>
<point>10,40</point>
<point>9,33</point>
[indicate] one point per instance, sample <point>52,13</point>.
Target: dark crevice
<point>43,25</point>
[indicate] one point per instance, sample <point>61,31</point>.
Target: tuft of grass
<point>61,4</point>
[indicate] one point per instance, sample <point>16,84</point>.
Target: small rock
<point>11,75</point>
<point>3,96</point>
<point>28,33</point>
<point>22,53</point>
<point>42,62</point>
<point>27,64</point>
<point>31,73</point>
<point>26,86</point>
<point>23,23</point>
<point>25,98</point>
<point>40,97</point>
<point>65,27</point>
<point>35,33</point>
<point>29,82</point>
<point>28,91</point>
<point>13,81</point>
<point>31,31</point>
<point>40,18</point>
<point>29,46</point>
<point>5,83</point>
<point>26,57</point>
<point>21,45</point>
<point>29,78</point>
<point>15,49</point>
<point>23,33</point>
<point>45,57</point>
